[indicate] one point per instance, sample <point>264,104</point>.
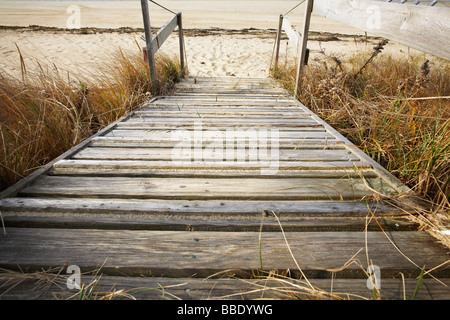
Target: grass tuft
<point>397,110</point>
<point>46,112</point>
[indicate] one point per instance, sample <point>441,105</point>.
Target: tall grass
<point>396,109</point>
<point>46,112</point>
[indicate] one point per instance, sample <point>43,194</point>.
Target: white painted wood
<point>185,254</point>
<point>294,37</point>
<point>423,28</point>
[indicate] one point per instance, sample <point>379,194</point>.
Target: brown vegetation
<point>47,112</point>
<point>397,110</point>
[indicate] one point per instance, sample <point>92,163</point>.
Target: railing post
<point>181,39</point>
<point>302,57</point>
<point>148,42</point>
<point>277,47</point>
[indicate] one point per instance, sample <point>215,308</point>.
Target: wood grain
<point>184,254</point>
<point>202,188</point>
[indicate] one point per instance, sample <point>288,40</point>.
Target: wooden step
<point>202,215</point>
<point>202,254</point>
<point>102,153</point>
<point>209,188</point>
<point>123,141</point>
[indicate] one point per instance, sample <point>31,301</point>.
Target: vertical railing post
<point>148,42</point>
<point>278,40</point>
<point>181,39</point>
<point>302,57</point>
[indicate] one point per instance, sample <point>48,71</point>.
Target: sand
<point>229,48</point>
<point>235,14</point>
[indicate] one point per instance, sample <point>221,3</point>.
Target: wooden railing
<point>425,28</point>
<point>154,43</point>
<point>297,41</point>
<point>422,27</point>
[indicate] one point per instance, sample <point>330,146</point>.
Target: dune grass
<point>46,112</point>
<point>397,110</point>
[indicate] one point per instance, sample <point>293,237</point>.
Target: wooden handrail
<point>298,42</point>
<point>154,43</point>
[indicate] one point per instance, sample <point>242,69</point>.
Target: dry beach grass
<point>47,111</point>
<point>396,110</point>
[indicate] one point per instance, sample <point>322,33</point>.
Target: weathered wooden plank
<point>170,154</point>
<point>133,168</point>
<point>235,112</point>
<point>235,83</point>
<point>141,126</point>
<point>76,169</point>
<point>137,142</point>
<point>207,188</point>
<point>222,109</point>
<point>166,101</point>
<point>229,97</point>
<point>230,78</point>
<point>229,81</point>
<point>238,123</point>
<point>219,115</point>
<point>219,91</point>
<point>177,222</point>
<point>213,135</point>
<point>199,118</point>
<point>211,215</point>
<point>223,120</point>
<point>232,87</point>
<point>178,215</point>
<point>198,222</point>
<point>227,85</point>
<point>225,109</point>
<point>207,208</point>
<point>137,167</point>
<point>192,122</point>
<point>184,254</point>
<point>160,288</point>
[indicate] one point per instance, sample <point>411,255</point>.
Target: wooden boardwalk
<point>174,193</point>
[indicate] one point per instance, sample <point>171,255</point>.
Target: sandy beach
<point>223,38</point>
<point>203,14</point>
